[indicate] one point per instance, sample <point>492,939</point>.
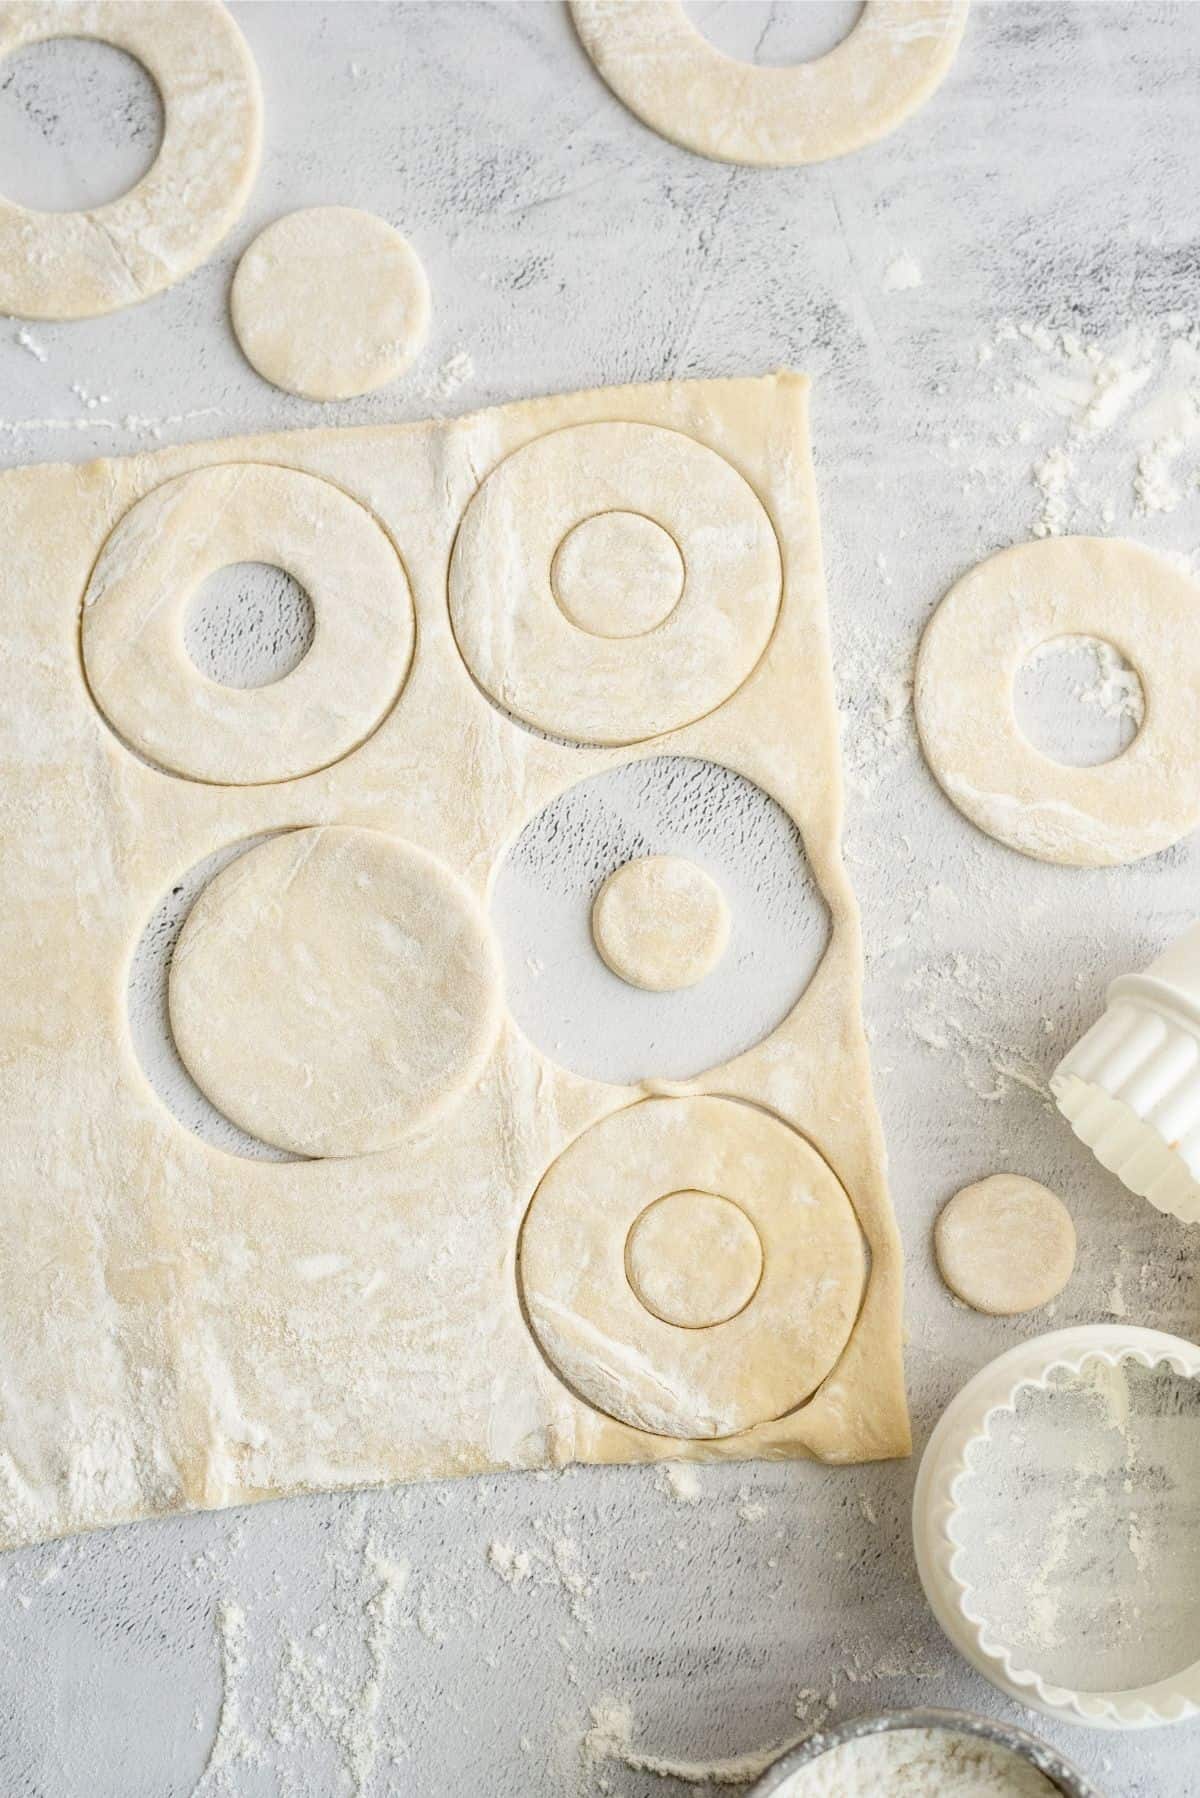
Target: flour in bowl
<point>919,1763</point>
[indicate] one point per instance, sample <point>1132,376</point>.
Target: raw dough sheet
<point>181,1327</point>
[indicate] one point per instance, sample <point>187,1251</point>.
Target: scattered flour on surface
<point>680,1482</point>
<point>902,272</point>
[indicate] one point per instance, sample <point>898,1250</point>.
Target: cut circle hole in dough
<point>249,625</point>
<point>330,303</point>
<point>694,1259</point>
<point>159,555</point>
<point>536,664</point>
<point>1078,701</point>
<point>80,123</point>
<point>667,72</point>
<point>1005,1245</point>
<point>1005,608</point>
<point>81,264</point>
<point>664,1377</point>
<point>660,923</point>
<point>617,574</point>
<point>333,990</point>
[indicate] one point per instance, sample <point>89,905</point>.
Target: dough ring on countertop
<point>1005,1245</point>
<point>975,644</point>
<point>660,922</point>
<point>613,680</point>
<point>83,264</point>
<point>691,1267</point>
<point>330,303</point>
<point>334,988</point>
<point>677,82</point>
<point>157,557</point>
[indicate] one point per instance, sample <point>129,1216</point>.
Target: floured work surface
<point>183,1327</point>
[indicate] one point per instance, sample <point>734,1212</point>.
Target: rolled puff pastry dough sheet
<point>181,1327</point>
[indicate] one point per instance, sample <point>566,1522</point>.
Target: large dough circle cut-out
<point>601,687</point>
<point>164,549</point>
<point>334,989</point>
<point>975,644</point>
<point>597,1234</point>
<point>664,69</point>
<point>83,264</point>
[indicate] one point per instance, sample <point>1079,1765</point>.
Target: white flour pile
<point>918,1763</point>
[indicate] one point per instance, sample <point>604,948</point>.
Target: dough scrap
<point>84,264</point>
<point>333,990</point>
<point>1005,1245</point>
<point>655,59</point>
<point>330,303</point>
<point>183,1327</point>
<point>660,922</point>
<point>983,631</point>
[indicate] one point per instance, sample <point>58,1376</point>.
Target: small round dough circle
<point>694,1259</point>
<point>617,574</point>
<point>667,72</point>
<point>974,646</point>
<point>610,1349</point>
<point>660,923</point>
<point>526,653</point>
<point>160,554</point>
<point>330,303</point>
<point>333,989</point>
<point>1005,1245</point>
<point>83,264</point>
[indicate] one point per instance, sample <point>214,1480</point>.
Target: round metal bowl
<point>1048,1761</point>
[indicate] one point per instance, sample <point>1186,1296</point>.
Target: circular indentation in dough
<point>633,1365</point>
<point>83,264</point>
<point>330,303</point>
<point>656,61</point>
<point>523,649</point>
<point>80,123</point>
<point>249,625</point>
<point>617,575</point>
<point>977,640</point>
<point>1078,701</point>
<point>563,994</point>
<point>1005,1245</point>
<point>158,556</point>
<point>693,1259</point>
<point>661,923</point>
<point>334,989</point>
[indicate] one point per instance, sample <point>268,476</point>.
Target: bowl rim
<point>1046,1759</point>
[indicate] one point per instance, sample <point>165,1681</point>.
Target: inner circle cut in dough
<point>976,643</point>
<point>660,923</point>
<point>694,1259</point>
<point>1005,1245</point>
<point>654,59</point>
<point>527,654</point>
<point>333,989</point>
<point>330,302</point>
<point>617,575</point>
<point>614,1352</point>
<point>83,264</point>
<point>160,554</point>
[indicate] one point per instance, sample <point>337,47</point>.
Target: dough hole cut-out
<point>694,1259</point>
<point>617,575</point>
<point>978,639</point>
<point>667,72</point>
<point>82,264</point>
<point>664,1377</point>
<point>562,993</point>
<point>660,923</point>
<point>333,990</point>
<point>1078,701</point>
<point>156,559</point>
<point>516,638</point>
<point>249,625</point>
<point>80,123</point>
<point>1005,1245</point>
<point>330,303</point>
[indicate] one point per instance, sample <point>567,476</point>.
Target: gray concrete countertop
<point>996,306</point>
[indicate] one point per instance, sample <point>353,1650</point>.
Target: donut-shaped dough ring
<point>666,1378</point>
<point>664,69</point>
<point>535,662</point>
<point>973,648</point>
<point>83,264</point>
<point>152,693</point>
